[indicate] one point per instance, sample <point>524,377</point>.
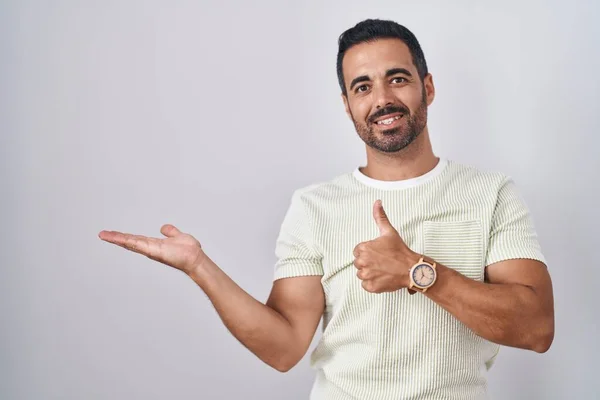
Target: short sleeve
<point>295,248</point>
<point>512,232</point>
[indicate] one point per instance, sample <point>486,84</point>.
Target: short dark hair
<point>370,30</point>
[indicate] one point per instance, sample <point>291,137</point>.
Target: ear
<point>347,106</point>
<point>429,88</point>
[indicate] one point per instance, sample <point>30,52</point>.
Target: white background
<point>125,115</point>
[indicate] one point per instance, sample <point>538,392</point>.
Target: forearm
<point>262,330</point>
<point>507,314</point>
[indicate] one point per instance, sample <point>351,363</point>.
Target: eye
<point>399,79</point>
<point>362,88</point>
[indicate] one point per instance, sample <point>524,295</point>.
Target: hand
<point>179,250</point>
<point>383,263</point>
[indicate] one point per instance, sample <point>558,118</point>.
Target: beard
<point>398,138</point>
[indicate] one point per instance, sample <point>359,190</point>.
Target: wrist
<point>199,268</point>
<point>428,260</point>
<point>422,274</point>
<point>412,259</point>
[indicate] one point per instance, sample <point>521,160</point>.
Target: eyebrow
<point>389,72</point>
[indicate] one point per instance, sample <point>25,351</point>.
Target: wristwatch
<point>422,275</point>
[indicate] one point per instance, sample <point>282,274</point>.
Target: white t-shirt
<point>396,345</point>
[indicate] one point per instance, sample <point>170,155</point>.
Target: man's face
<point>386,99</point>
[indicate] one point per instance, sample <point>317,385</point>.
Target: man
<point>420,267</point>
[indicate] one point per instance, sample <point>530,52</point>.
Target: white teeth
<point>389,120</point>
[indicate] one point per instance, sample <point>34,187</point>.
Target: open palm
<point>178,250</point>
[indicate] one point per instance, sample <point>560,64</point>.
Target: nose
<point>383,96</point>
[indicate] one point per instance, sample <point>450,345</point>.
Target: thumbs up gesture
<point>383,263</point>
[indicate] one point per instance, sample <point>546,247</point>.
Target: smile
<point>389,121</point>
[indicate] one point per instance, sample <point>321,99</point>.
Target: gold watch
<point>422,275</point>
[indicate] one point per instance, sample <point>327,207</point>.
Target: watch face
<point>423,275</point>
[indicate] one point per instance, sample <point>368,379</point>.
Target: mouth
<point>389,121</point>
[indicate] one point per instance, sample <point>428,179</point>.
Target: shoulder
<point>323,190</point>
<point>470,177</point>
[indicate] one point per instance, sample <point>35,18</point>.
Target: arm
<point>278,332</point>
<point>513,308</point>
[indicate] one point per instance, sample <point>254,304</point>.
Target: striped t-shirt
<point>396,345</point>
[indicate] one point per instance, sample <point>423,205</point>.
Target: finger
<point>115,237</point>
<point>369,286</point>
<point>362,247</point>
<point>366,285</point>
<point>136,243</point>
<point>360,263</point>
<point>382,220</point>
<point>169,230</point>
<point>119,238</point>
<point>362,274</point>
<point>105,234</point>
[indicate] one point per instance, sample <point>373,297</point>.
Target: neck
<point>414,160</point>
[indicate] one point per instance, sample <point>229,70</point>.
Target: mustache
<point>388,110</point>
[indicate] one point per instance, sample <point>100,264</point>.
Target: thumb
<point>169,230</point>
<point>381,218</point>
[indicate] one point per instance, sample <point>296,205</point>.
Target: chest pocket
<point>456,244</point>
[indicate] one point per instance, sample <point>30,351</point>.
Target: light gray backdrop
<point>125,115</point>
